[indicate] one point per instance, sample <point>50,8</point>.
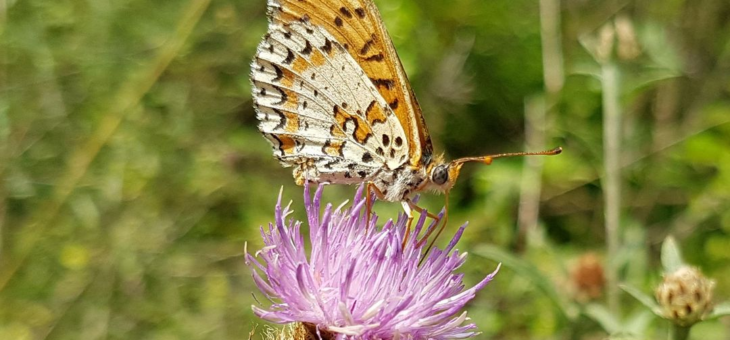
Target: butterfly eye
<point>440,174</point>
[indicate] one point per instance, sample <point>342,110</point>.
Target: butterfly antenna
<point>488,159</point>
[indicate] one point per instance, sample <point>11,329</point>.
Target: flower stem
<point>612,180</point>
<point>680,332</point>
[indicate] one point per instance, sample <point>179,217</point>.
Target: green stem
<point>612,180</point>
<point>680,332</point>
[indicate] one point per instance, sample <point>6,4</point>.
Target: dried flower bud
<point>685,296</point>
<point>604,48</point>
<point>588,278</point>
<point>628,47</point>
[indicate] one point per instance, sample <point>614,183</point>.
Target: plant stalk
<point>612,180</point>
<point>680,332</point>
<point>537,111</point>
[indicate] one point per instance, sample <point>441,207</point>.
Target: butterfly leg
<point>407,208</point>
<point>371,188</point>
<point>441,228</point>
<point>420,210</point>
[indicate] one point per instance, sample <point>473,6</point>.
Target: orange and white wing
<point>358,27</point>
<point>318,107</point>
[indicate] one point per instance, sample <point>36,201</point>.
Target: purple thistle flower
<point>359,282</point>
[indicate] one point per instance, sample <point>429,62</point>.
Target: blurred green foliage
<point>133,175</point>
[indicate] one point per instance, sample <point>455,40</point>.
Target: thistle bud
<point>588,277</point>
<point>685,296</point>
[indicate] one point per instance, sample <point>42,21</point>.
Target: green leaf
<point>646,300</point>
<point>637,322</point>
<point>721,309</point>
<point>529,271</point>
<point>671,255</point>
<point>603,316</point>
<point>658,46</point>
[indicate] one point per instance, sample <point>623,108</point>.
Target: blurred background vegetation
<point>132,172</point>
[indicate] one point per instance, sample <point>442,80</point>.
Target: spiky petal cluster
<point>359,282</point>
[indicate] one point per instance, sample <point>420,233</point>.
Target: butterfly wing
<point>358,27</point>
<point>318,107</point>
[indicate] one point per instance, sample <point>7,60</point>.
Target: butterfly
<point>333,99</point>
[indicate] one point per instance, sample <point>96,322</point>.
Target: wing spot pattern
<point>317,59</point>
<point>289,57</point>
<point>282,119</point>
<point>366,47</point>
<point>329,164</point>
<point>334,148</point>
<point>300,65</point>
<point>394,104</point>
<point>307,48</point>
<point>374,114</point>
<point>292,100</point>
<point>336,132</point>
<point>287,77</point>
<point>360,12</point>
<point>286,144</point>
<point>361,133</point>
<point>386,83</point>
<point>327,47</point>
<point>283,96</point>
<point>292,122</point>
<point>279,74</point>
<point>376,58</point>
<point>346,12</point>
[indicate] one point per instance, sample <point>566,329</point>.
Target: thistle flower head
<point>359,282</point>
<point>685,296</point>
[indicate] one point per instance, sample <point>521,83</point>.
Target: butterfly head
<point>442,175</point>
